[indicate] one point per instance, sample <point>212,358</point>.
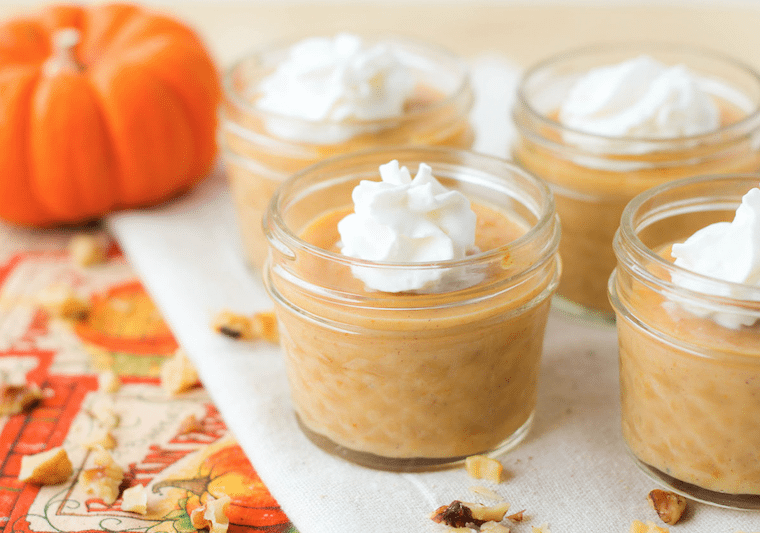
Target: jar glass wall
<point>410,380</point>
<point>689,372</point>
<point>593,177</point>
<point>259,154</point>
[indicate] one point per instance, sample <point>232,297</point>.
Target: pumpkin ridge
<point>146,128</point>
<point>101,26</point>
<point>198,100</point>
<point>139,26</point>
<point>23,42</point>
<point>19,202</point>
<point>78,181</point>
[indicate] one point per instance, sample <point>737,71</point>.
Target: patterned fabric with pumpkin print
<point>177,447</point>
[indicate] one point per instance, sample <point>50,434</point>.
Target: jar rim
<point>653,144</point>
<point>462,90</point>
<point>543,224</point>
<point>627,237</point>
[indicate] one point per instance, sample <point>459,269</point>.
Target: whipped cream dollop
<point>729,251</point>
<point>405,220</point>
<point>334,81</point>
<point>640,97</point>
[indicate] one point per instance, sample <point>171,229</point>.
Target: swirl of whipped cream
<point>334,81</point>
<point>729,251</point>
<point>405,220</point>
<point>641,97</point>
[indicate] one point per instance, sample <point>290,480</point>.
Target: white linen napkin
<point>572,471</point>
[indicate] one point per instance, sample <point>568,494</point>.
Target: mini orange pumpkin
<point>102,107</point>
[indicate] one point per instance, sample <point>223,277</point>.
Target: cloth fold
<point>572,471</point>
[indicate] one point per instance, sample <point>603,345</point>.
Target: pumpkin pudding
<point>442,361</point>
<point>604,157</point>
<point>689,347</point>
<point>282,112</point>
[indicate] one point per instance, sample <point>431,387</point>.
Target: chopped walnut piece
<point>262,325</point>
<point>669,505</point>
<point>99,436</point>
<point>488,513</point>
<point>178,374</point>
<point>61,301</point>
<point>456,514</point>
<point>87,250</point>
<point>212,515</point>
<point>486,493</point>
<point>265,326</point>
<point>190,424</point>
<point>233,325</point>
<point>543,528</point>
<point>493,527</point>
<point>102,410</point>
<point>17,398</point>
<point>459,514</point>
<point>104,478</point>
<point>46,468</point>
<point>108,381</point>
<point>135,499</point>
<point>482,467</point>
<point>650,527</point>
<point>519,516</point>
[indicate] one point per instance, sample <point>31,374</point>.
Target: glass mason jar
<point>593,177</point>
<point>689,386</point>
<point>258,158</point>
<point>408,381</point>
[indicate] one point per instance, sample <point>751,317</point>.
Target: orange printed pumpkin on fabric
<point>229,472</point>
<point>101,108</point>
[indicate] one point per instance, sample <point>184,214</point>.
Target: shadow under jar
<point>593,177</point>
<point>410,380</point>
<point>258,156</point>
<point>689,386</point>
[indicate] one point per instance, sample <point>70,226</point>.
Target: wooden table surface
<point>524,32</point>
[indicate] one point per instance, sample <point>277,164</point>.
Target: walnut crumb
<point>102,410</point>
<point>233,325</point>
<point>493,527</point>
<point>99,436</point>
<point>650,527</point>
<point>178,374</point>
<point>460,514</point>
<point>16,398</point>
<point>212,515</point>
<point>104,478</point>
<point>456,514</point>
<point>63,302</point>
<point>87,250</point>
<point>108,381</point>
<point>669,505</point>
<point>519,516</point>
<point>46,468</point>
<point>135,499</point>
<point>265,326</point>
<point>261,325</point>
<point>486,493</point>
<point>543,528</point>
<point>482,467</point>
<point>190,424</point>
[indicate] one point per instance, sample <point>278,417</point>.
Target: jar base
<point>583,313</point>
<point>408,464</point>
<point>693,492</point>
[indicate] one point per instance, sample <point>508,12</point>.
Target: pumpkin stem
<point>63,57</point>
